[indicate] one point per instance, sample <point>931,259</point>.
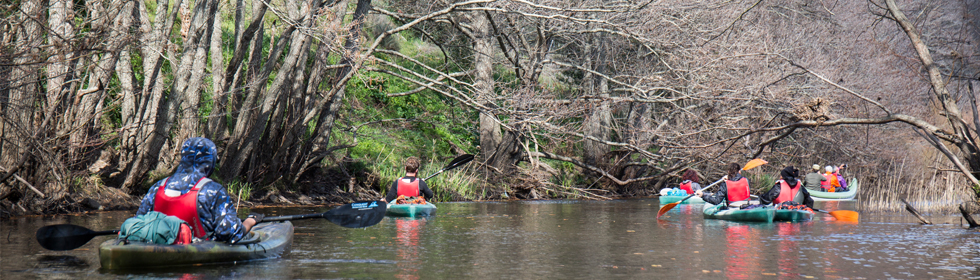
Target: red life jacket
<point>737,190</point>
<point>409,189</point>
<point>686,186</point>
<point>182,206</point>
<point>787,193</point>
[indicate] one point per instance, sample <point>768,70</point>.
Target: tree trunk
<point>490,134</point>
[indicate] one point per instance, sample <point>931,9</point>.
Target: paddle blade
<point>63,237</point>
<point>666,208</point>
<point>845,215</point>
<point>460,160</point>
<point>358,214</point>
<point>754,163</point>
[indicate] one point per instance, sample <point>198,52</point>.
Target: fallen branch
<point>915,213</point>
<point>968,217</point>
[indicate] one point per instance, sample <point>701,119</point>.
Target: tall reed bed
<point>940,189</point>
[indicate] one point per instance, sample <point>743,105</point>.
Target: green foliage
<point>760,182</point>
<point>241,189</point>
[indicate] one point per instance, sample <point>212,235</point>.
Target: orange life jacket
<point>787,193</point>
<point>409,189</point>
<point>737,190</point>
<point>182,206</point>
<point>686,186</point>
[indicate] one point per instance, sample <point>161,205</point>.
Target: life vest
<point>826,185</point>
<point>183,206</point>
<point>787,193</point>
<point>737,190</point>
<point>408,188</point>
<point>686,186</point>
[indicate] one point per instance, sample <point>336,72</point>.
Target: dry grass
<point>936,190</point>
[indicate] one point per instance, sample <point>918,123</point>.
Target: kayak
<point>760,214</point>
<point>667,199</point>
<point>850,194</point>
<point>411,210</point>
<point>787,215</point>
<point>265,241</point>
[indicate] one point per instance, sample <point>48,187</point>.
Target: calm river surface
<point>554,240</point>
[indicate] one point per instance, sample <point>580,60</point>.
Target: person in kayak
<point>831,185</point>
<point>409,186</point>
<point>189,195</point>
<point>814,180</point>
<point>788,191</point>
<point>735,191</point>
<point>690,183</point>
<point>840,178</point>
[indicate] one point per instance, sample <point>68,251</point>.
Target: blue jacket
<point>214,206</point>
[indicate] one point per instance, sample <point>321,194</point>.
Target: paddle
<point>749,165</point>
<point>841,215</point>
<point>359,214</point>
<point>457,162</point>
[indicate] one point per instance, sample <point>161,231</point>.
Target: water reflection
<point>409,251</point>
<point>553,240</point>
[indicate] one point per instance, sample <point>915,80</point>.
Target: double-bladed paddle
<point>355,215</point>
<point>457,162</point>
<point>749,165</point>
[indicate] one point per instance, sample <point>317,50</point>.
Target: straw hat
<point>816,167</point>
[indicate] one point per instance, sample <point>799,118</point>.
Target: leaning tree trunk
<point>320,144</point>
<point>144,137</point>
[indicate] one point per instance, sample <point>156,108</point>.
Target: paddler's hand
<point>699,193</point>
<point>253,218</point>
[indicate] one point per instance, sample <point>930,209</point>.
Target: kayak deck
<point>667,199</point>
<point>786,215</point>
<point>761,215</point>
<point>411,210</point>
<point>266,241</point>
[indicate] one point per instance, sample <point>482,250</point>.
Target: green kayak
<point>411,210</point>
<point>266,241</point>
<point>761,214</point>
<point>667,199</point>
<point>850,194</point>
<point>786,215</point>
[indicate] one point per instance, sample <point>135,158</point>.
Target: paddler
<point>735,191</point>
<point>831,185</point>
<point>690,183</point>
<point>203,204</point>
<point>409,186</point>
<point>788,191</point>
<point>814,179</point>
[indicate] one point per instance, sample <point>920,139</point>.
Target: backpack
<point>152,227</point>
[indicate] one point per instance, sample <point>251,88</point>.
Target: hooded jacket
<point>789,176</point>
<point>214,207</point>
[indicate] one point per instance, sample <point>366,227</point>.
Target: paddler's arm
<point>716,198</point>
<point>425,190</point>
<point>807,199</point>
<point>770,196</point>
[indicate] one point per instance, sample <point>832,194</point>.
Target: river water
<point>554,240</point>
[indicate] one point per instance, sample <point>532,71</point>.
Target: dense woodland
<point>315,101</point>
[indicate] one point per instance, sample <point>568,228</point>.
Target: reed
<point>938,190</point>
